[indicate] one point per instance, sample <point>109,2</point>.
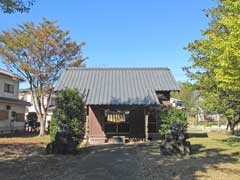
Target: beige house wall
<point>27,96</point>
<point>8,125</point>
<point>4,80</point>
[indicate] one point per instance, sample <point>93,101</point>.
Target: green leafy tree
<point>70,111</point>
<point>12,6</point>
<point>189,96</point>
<point>39,53</point>
<point>216,61</point>
<point>170,116</point>
<point>53,127</point>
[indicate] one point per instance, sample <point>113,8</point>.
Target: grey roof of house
<point>11,75</point>
<point>15,101</point>
<point>118,86</point>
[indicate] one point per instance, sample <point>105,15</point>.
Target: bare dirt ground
<point>23,158</point>
<point>215,156</point>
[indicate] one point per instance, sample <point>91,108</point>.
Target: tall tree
<point>189,96</point>
<point>216,61</point>
<point>39,53</point>
<point>12,6</point>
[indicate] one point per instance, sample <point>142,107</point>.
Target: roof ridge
<point>118,68</point>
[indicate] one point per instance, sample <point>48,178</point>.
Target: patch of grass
<point>211,123</point>
<point>24,138</point>
<point>215,155</point>
<point>232,141</point>
<point>221,140</point>
<point>17,145</point>
<point>193,121</point>
<point>222,151</point>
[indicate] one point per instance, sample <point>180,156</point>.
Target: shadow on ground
<point>191,167</point>
<point>232,141</point>
<point>20,135</point>
<point>197,135</point>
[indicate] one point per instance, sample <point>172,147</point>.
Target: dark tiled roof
<point>14,101</point>
<point>118,85</point>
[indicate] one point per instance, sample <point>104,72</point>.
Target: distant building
<point>12,109</point>
<point>26,95</point>
<point>177,103</point>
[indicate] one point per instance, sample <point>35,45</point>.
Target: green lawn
<point>220,154</point>
<point>193,121</point>
<point>211,123</point>
<point>215,155</point>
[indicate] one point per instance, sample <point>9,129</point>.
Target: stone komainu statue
<point>64,143</point>
<point>175,142</point>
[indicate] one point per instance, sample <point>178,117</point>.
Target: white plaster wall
<point>6,125</point>
<point>28,97</point>
<point>7,80</point>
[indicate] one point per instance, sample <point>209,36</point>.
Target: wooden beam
<point>146,125</point>
<point>87,126</point>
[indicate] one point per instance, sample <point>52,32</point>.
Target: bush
<point>32,120</point>
<point>53,127</point>
<point>69,113</point>
<point>32,117</point>
<point>170,116</point>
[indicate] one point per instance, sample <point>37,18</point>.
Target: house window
<point>8,107</point>
<point>9,88</point>
<point>18,116</point>
<point>116,122</point>
<point>3,115</point>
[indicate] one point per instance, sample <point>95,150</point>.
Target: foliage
<point>170,116</point>
<point>53,127</point>
<point>39,53</point>
<point>12,6</point>
<point>32,120</point>
<point>70,111</point>
<point>32,117</point>
<point>216,61</point>
<point>189,96</point>
<point>211,123</point>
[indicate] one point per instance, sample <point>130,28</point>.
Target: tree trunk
<point>42,124</point>
<point>231,125</point>
<point>227,125</point>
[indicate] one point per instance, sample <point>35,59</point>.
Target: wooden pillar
<point>146,125</point>
<point>87,129</point>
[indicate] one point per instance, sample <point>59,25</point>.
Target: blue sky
<point>126,33</point>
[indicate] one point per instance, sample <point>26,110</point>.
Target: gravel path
<point>103,162</point>
<point>110,162</point>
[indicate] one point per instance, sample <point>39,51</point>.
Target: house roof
<point>15,101</point>
<point>10,75</point>
<point>24,90</point>
<point>118,86</point>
